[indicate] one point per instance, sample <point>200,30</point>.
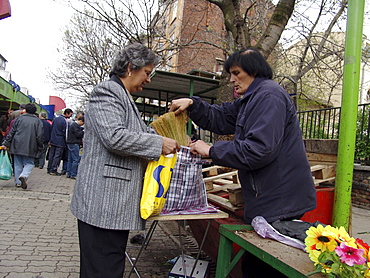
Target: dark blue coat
<point>267,150</point>
<point>58,132</point>
<point>47,130</point>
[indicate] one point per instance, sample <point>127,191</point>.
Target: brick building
<point>188,24</point>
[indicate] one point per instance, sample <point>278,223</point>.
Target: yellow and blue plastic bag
<point>156,183</point>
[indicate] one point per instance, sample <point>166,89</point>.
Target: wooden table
<point>203,216</point>
<point>290,261</point>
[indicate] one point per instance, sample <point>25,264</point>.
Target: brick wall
<point>361,187</point>
<point>202,21</point>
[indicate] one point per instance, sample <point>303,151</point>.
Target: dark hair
<point>136,55</point>
<point>251,61</point>
<point>30,108</point>
<point>67,111</point>
<point>43,115</point>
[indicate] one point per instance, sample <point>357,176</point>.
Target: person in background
<point>106,197</point>
<point>267,148</point>
<point>4,123</point>
<point>40,162</point>
<point>25,142</point>
<point>58,142</point>
<point>13,115</point>
<point>66,152</point>
<point>74,141</point>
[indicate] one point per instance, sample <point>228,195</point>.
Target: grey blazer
<point>117,147</point>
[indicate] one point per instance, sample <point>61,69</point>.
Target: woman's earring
<point>129,74</point>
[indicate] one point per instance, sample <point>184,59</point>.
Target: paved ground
<point>38,233</point>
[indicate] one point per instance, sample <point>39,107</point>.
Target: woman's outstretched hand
<point>200,147</point>
<point>180,105</point>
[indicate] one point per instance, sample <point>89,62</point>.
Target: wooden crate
<point>323,173</point>
<point>322,156</point>
<point>213,179</point>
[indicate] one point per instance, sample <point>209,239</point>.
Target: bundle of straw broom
<point>172,126</point>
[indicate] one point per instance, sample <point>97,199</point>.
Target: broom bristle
<point>172,126</point>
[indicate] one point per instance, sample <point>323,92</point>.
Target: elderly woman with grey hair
<point>106,197</point>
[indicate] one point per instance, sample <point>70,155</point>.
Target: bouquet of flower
<point>336,254</point>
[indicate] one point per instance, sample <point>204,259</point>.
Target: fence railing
<point>324,124</point>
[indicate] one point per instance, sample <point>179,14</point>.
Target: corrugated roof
<point>169,85</point>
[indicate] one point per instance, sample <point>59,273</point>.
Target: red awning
<point>4,9</point>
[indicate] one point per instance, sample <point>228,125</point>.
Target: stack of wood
<point>224,190</point>
<point>223,187</point>
<point>322,155</point>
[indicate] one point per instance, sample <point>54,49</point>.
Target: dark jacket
<point>267,150</point>
<point>4,122</point>
<point>26,136</point>
<point>75,134</point>
<point>58,132</point>
<point>47,130</point>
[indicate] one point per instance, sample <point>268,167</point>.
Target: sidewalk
<point>39,234</point>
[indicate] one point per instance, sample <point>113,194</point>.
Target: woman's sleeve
<point>260,136</point>
<point>117,125</point>
<point>220,119</point>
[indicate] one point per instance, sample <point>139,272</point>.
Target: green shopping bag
<point>6,169</point>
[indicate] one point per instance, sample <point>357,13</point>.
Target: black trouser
<point>55,156</point>
<point>102,251</point>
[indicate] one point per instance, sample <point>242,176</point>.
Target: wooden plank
<point>234,187</point>
<point>322,157</point>
<point>236,196</point>
<point>313,163</point>
<point>211,168</point>
<point>318,181</point>
<point>224,175</point>
<point>293,257</point>
<point>322,146</point>
<point>222,202</point>
<point>222,187</point>
<point>323,171</point>
<point>209,185</point>
<point>218,214</point>
<point>222,181</point>
<point>317,167</point>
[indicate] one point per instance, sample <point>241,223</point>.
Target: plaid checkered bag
<point>187,189</point>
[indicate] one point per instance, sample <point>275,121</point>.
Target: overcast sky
<point>29,38</point>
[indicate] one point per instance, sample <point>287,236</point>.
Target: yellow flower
<point>342,236</point>
<point>367,273</point>
<point>314,256</point>
<point>321,238</point>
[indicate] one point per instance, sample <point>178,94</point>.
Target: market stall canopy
<point>166,86</point>
<point>11,97</point>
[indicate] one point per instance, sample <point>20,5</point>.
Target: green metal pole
<point>191,93</point>
<point>348,116</point>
